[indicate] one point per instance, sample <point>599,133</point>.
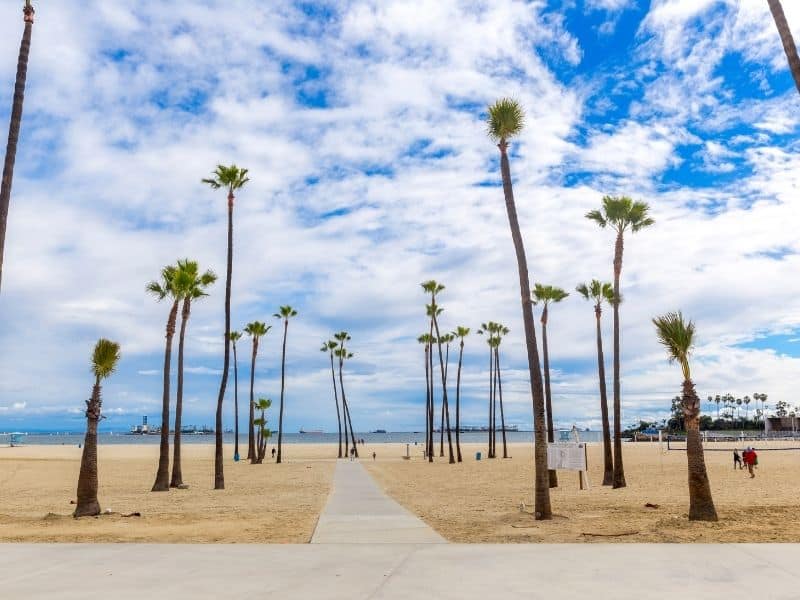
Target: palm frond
<point>105,358</point>
<point>677,336</point>
<point>506,119</point>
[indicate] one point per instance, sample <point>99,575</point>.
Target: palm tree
<point>598,292</point>
<point>256,330</point>
<point>446,339</point>
<point>263,433</point>
<point>786,39</point>
<point>717,400</point>
<point>231,178</point>
<point>329,347</point>
<point>191,285</point>
<point>506,121</point>
<point>430,311</point>
<point>343,354</point>
<point>677,336</point>
<point>488,329</point>
<point>426,340</point>
<point>547,294</point>
<point>285,313</point>
<point>104,362</point>
<point>161,290</point>
<point>501,332</point>
<point>738,408</point>
<point>14,125</point>
<point>621,214</point>
<point>460,333</point>
<point>235,337</point>
<point>746,400</point>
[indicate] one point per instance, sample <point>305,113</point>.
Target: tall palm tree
<point>343,354</point>
<point>432,287</point>
<point>285,313</point>
<point>235,337</point>
<point>165,288</point>
<point>489,329</point>
<point>256,330</point>
<point>14,125</point>
<point>192,285</point>
<point>547,294</point>
<point>746,401</point>
<point>460,333</point>
<point>598,293</point>
<point>431,310</point>
<point>620,214</point>
<point>231,178</point>
<point>786,39</point>
<point>104,362</point>
<point>425,339</point>
<point>328,347</point>
<point>717,400</point>
<point>263,433</point>
<point>505,121</point>
<point>500,333</point>
<point>677,336</point>
<point>445,339</point>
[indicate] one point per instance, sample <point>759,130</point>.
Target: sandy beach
<point>480,501</point>
<point>261,503</point>
<point>476,501</point>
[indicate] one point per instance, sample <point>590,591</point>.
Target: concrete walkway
<point>358,512</point>
<point>400,571</point>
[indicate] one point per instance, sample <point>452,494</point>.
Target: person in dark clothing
<point>737,460</point>
<point>374,455</point>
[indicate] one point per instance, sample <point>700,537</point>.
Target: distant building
<point>781,424</point>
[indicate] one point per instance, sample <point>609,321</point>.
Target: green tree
<point>191,285</point>
<point>460,333</point>
<point>488,329</point>
<point>328,348</point>
<point>431,310</point>
<point>677,336</point>
<point>506,120</point>
<point>500,333</point>
<point>425,339</point>
<point>284,313</point>
<point>620,214</point>
<point>598,293</point>
<point>263,432</point>
<point>343,354</point>
<point>235,337</point>
<point>256,330</point>
<point>786,39</point>
<point>547,294</point>
<point>166,289</point>
<point>104,362</point>
<point>14,126</point>
<point>231,178</point>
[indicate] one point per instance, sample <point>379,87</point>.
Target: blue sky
<point>362,124</point>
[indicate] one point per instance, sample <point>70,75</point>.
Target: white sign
<point>570,456</point>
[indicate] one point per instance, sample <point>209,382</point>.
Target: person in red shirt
<point>750,457</point>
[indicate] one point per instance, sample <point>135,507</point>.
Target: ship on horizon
<point>317,431</point>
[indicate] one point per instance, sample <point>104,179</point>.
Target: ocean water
<point>400,437</point>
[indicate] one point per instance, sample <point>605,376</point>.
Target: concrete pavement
<point>400,571</point>
<point>358,512</point>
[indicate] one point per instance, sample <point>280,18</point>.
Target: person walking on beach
<point>352,454</point>
<point>737,460</point>
<point>750,457</point>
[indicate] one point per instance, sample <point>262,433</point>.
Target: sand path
<point>359,512</point>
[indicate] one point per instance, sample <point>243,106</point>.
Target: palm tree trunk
<point>458,402</point>
<point>446,409</point>
<point>336,399</point>
<point>177,473</point>
<point>553,476</point>
<point>619,471</point>
<point>251,431</point>
<point>701,504</point>
<point>490,453</point>
<point>347,410</point>
<point>431,411</point>
<point>162,475</point>
<point>500,394</point>
<point>427,401</point>
<point>444,401</point>
<point>494,412</point>
<point>541,489</point>
<point>87,504</point>
<point>344,412</point>
<point>786,38</point>
<point>283,380</point>
<point>13,129</point>
<point>608,460</point>
<point>235,403</point>
<point>219,476</point>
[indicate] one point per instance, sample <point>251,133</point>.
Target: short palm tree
<point>235,337</point>
<point>285,313</point>
<point>500,332</point>
<point>263,432</point>
<point>677,336</point>
<point>546,295</point>
<point>505,121</point>
<point>256,330</point>
<point>446,339</point>
<point>786,39</point>
<point>163,289</point>
<point>489,329</point>
<point>431,310</point>
<point>191,285</point>
<point>343,354</point>
<point>460,333</point>
<point>425,339</point>
<point>14,125</point>
<point>230,178</point>
<point>598,293</point>
<point>328,348</point>
<point>620,214</point>
<point>104,362</point>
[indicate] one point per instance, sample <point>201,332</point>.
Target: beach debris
<point>108,511</point>
<point>587,534</point>
<point>650,505</point>
<point>72,502</point>
<point>183,486</point>
<point>133,514</point>
<point>521,507</point>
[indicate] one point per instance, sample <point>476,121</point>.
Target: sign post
<point>569,456</point>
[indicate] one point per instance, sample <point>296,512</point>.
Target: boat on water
<point>379,431</point>
<point>317,431</point>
